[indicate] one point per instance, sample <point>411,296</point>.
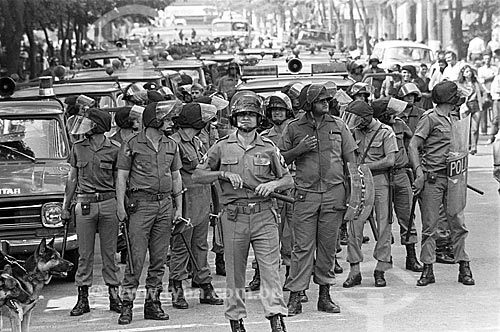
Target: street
<point>401,306</point>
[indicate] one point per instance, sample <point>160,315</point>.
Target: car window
<point>407,54</point>
<point>36,138</point>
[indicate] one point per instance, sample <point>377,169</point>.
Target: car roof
<point>70,89</point>
<point>128,75</point>
<point>181,64</point>
<point>276,83</point>
<point>107,54</point>
<point>214,57</point>
<point>400,43</point>
<point>32,107</point>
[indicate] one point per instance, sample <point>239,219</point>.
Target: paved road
<point>402,306</point>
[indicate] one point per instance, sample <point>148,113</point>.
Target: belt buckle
<point>159,197</point>
<point>98,196</point>
<point>252,207</point>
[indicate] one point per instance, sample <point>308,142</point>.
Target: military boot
<point>294,304</point>
<point>444,255</point>
<point>465,274</point>
<point>427,276</point>
<point>208,295</point>
<point>337,268</point>
<point>220,265</point>
<point>82,305</point>
<point>379,278</point>
<point>325,302</point>
<point>178,299</point>
<point>343,234</point>
<point>277,323</point>
<point>126,313</point>
<point>254,285</point>
<point>152,305</point>
<point>115,303</point>
<point>412,263</point>
<point>237,325</point>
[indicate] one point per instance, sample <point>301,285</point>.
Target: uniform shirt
<point>435,129</point>
<point>411,115</point>
<point>323,168</point>
<point>191,152</point>
<point>122,135</point>
<point>383,144</point>
<point>150,171</point>
<point>95,167</point>
<point>261,162</point>
<point>403,133</point>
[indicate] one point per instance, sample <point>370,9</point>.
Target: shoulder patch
<point>267,140</point>
<point>115,143</point>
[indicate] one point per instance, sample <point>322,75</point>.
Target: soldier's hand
<point>264,189</point>
<point>121,213</point>
<point>177,214</point>
<point>418,184</point>
<point>308,143</point>
<point>496,173</point>
<point>236,180</point>
<point>66,214</point>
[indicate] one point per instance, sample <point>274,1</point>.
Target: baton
<point>412,216</point>
<point>66,226</point>
<point>373,226</point>
<point>476,190</point>
<point>124,229</point>
<point>281,197</point>
<point>180,232</point>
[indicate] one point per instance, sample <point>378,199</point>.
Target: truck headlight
<point>51,215</point>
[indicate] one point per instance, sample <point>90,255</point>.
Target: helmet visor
<point>136,113</point>
<point>352,120</point>
<point>166,110</point>
<point>81,125</point>
<point>208,112</point>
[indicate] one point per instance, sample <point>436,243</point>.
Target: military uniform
<point>150,208</point>
<point>411,115</point>
<point>249,219</point>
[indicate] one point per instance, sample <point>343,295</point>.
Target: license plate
<point>46,232</point>
<point>457,166</point>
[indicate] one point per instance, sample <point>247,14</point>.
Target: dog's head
<point>48,259</point>
<point>11,289</point>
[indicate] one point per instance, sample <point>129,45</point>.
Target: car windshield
<point>408,54</point>
<point>28,138</point>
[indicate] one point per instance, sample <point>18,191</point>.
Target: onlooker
<point>450,73</point>
<point>476,48</point>
<point>485,76</point>
<point>376,82</point>
<point>495,97</point>
<point>437,76</point>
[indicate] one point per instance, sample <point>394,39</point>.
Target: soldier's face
<point>278,115</point>
<point>196,94</point>
<point>246,120</point>
<point>409,98</point>
<point>320,107</point>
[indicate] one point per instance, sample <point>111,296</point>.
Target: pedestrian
<point>451,71</point>
<point>431,150</point>
<point>391,82</point>
<point>485,77</point>
<point>320,145</point>
<point>196,203</point>
<point>91,186</point>
<point>377,146</point>
<point>495,96</point>
<point>148,172</point>
<point>197,90</point>
<point>437,75</point>
<point>355,70</point>
<point>476,47</point>
<point>374,69</point>
<point>402,194</point>
<point>249,217</point>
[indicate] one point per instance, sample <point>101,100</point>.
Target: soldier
<point>442,137</point>
<point>360,91</point>
<point>227,83</point>
<point>91,185</point>
<point>377,147</point>
<point>292,90</point>
<point>128,120</point>
<point>402,193</point>
<point>191,120</point>
<point>149,163</point>
<point>245,157</point>
<point>320,145</point>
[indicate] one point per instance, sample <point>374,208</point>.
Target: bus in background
<point>237,28</point>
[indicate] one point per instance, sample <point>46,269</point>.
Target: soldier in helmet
<point>249,217</point>
<point>148,171</point>
<point>377,147</point>
<point>128,119</point>
<point>437,187</point>
<point>91,184</point>
<point>320,145</point>
<point>292,90</point>
<point>360,91</point>
<point>387,110</point>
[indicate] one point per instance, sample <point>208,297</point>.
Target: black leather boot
<point>412,263</point>
<point>444,255</point>
<point>325,302</point>
<point>427,276</point>
<point>287,274</point>
<point>126,313</point>
<point>277,323</point>
<point>208,295</point>
<point>115,303</point>
<point>465,274</point>
<point>220,265</point>
<point>343,234</point>
<point>152,305</point>
<point>254,285</point>
<point>337,268</point>
<point>82,305</point>
<point>178,299</point>
<point>237,325</point>
<point>294,304</point>
<point>379,278</point>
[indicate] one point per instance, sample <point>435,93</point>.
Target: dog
<point>31,275</point>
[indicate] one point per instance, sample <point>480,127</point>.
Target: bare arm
<point>416,144</point>
<point>69,191</point>
<point>121,188</point>
<point>177,189</point>
<point>349,157</point>
<point>206,176</point>
<point>384,163</point>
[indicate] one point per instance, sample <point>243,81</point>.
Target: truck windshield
<point>28,138</point>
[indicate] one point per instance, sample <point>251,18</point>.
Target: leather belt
<point>95,197</point>
<point>149,197</point>
<point>399,170</point>
<point>441,172</point>
<point>379,172</point>
<point>250,207</point>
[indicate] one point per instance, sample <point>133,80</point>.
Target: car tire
<point>72,256</point>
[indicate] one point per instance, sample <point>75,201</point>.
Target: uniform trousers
<point>259,229</point>
<point>102,217</point>
<point>316,221</point>
<point>150,227</point>
<point>432,197</point>
<point>286,232</point>
<point>402,199</point>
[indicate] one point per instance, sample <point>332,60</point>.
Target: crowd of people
<point>286,188</point>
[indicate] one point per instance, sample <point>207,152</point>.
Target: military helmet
<point>278,100</point>
<point>409,88</point>
<point>360,88</point>
<point>245,101</point>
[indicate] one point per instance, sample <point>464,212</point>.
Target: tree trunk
<point>11,32</point>
<point>352,23</point>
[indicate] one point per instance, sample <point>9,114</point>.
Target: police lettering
<point>457,167</point>
<point>10,191</point>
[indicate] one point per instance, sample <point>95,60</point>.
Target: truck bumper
<point>28,246</point>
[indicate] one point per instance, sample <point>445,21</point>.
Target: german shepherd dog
<point>36,272</point>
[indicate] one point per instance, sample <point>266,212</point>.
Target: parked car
<point>402,52</point>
